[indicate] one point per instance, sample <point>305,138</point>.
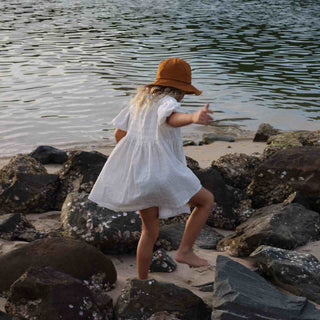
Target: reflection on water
<point>68,66</point>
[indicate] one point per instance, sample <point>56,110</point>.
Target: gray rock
<point>237,169</point>
<point>284,226</point>
<point>239,293</point>
<point>141,299</point>
<point>161,262</point>
<point>170,237</point>
<point>208,138</point>
<point>264,132</point>
<point>294,271</point>
<point>48,154</point>
<point>44,293</point>
<point>287,171</point>
<point>15,226</point>
<point>79,173</point>
<point>75,258</point>
<point>111,232</point>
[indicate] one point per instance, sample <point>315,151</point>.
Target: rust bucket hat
<point>176,73</point>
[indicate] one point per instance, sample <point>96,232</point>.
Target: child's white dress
<point>147,168</point>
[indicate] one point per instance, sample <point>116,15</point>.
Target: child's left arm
<point>119,134</point>
<point>178,119</point>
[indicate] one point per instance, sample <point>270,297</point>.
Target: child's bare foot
<point>191,259</point>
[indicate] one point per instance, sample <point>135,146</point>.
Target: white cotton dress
<point>147,168</point>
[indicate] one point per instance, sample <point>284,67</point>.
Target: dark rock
<point>237,169</point>
<point>75,258</point>
<point>208,138</point>
<point>264,132</point>
<point>170,237</point>
<point>111,232</point>
<point>294,271</point>
<point>222,215</point>
<point>79,173</point>
<point>192,164</point>
<point>48,154</point>
<point>163,315</point>
<point>239,293</point>
<point>5,316</point>
<point>161,262</point>
<point>284,226</point>
<point>291,139</point>
<point>188,143</point>
<point>44,293</point>
<point>141,299</point>
<point>29,193</point>
<point>21,163</point>
<point>287,171</point>
<point>15,226</point>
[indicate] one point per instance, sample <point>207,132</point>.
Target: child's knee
<point>152,235</point>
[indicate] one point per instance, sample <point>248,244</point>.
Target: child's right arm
<point>119,134</point>
<point>178,119</point>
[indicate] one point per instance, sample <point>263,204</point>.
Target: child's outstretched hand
<point>202,116</point>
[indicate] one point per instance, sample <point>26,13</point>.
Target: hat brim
<point>187,88</point>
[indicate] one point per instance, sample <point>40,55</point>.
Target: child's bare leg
<point>149,235</point>
<point>203,202</point>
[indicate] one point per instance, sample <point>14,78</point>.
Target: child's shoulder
<point>168,100</point>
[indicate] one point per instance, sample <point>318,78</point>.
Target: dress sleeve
<point>166,108</point>
<point>121,121</point>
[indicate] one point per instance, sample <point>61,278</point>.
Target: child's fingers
<point>206,107</point>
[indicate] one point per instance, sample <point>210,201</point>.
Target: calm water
<point>68,67</point>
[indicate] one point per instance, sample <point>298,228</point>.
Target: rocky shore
<point>64,257</point>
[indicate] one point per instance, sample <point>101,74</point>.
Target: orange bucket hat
<point>176,73</point>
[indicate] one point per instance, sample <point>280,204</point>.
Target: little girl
<point>147,169</point>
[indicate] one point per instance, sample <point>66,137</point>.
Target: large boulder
<point>140,299</point>
<point>73,257</point>
<point>287,171</point>
<point>48,154</point>
<point>239,293</point>
<point>264,132</point>
<point>79,173</point>
<point>111,232</point>
<point>44,293</point>
<point>222,215</point>
<point>294,271</point>
<point>237,169</point>
<point>284,226</point>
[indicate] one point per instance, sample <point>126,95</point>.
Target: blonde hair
<point>147,95</point>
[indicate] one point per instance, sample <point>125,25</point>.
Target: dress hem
<point>136,208</point>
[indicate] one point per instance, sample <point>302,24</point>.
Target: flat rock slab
<point>294,271</point>
<point>284,226</point>
<point>240,294</point>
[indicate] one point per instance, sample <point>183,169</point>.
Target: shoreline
<point>204,154</point>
